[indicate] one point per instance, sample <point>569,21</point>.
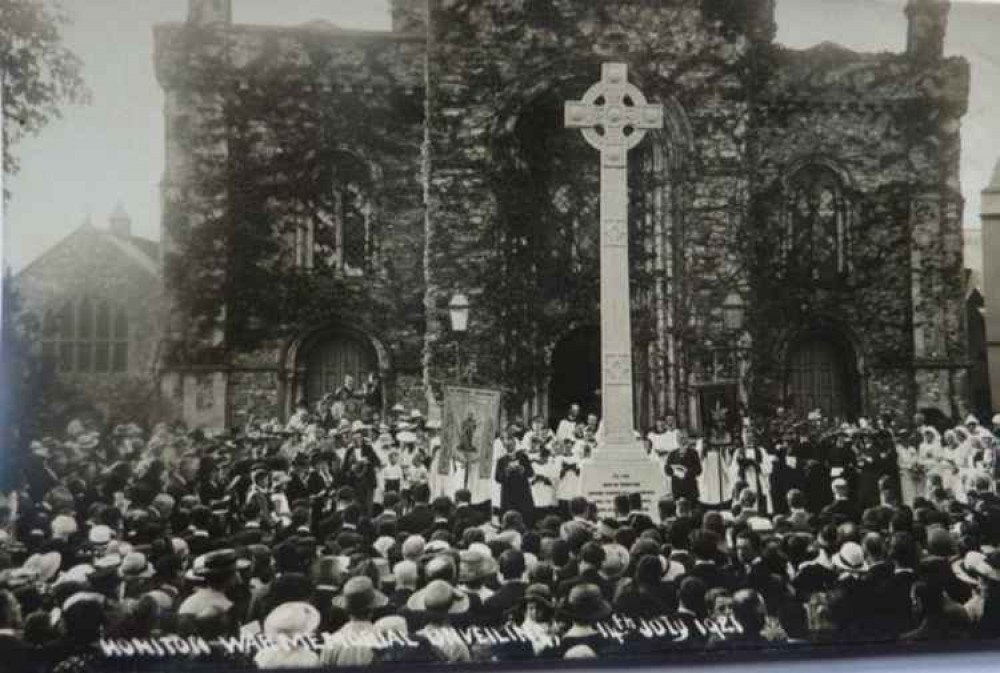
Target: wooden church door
<point>330,361</point>
<point>819,377</point>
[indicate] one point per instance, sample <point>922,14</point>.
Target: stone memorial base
<point>604,478</point>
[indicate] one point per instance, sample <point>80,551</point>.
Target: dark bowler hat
<point>586,604</point>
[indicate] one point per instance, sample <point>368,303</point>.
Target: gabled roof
<point>142,252</point>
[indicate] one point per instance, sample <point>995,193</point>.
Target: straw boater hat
<point>850,558</point>
<point>359,426</point>
<point>973,566</point>
<point>343,426</point>
<point>216,563</point>
<point>406,437</point>
<point>415,415</point>
<point>399,408</point>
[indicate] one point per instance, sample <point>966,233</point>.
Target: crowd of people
<point>350,537</point>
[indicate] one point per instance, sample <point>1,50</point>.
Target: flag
<point>470,424</point>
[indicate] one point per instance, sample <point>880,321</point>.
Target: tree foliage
<point>32,400</point>
<point>38,73</point>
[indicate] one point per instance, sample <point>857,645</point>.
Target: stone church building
<point>97,296</point>
<point>795,227</point>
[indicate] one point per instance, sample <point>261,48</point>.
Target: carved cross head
<point>613,115</point>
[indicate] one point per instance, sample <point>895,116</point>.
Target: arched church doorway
<point>576,373</point>
<point>333,357</point>
<point>821,373</point>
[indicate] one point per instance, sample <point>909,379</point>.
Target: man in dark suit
<point>420,517</point>
<point>442,517</point>
<point>705,547</point>
<point>512,588</point>
<point>297,488</point>
<point>465,516</point>
<point>842,506</point>
<point>332,524</point>
<point>591,559</point>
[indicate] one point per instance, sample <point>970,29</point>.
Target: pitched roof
<point>144,252</point>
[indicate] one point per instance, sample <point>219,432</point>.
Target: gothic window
<point>816,224</point>
<point>342,236</point>
<point>304,243</point>
<point>87,336</point>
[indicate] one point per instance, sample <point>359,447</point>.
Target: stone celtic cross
<point>614,118</point>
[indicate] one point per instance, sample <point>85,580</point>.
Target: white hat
<point>996,420</point>
<point>399,408</point>
<point>46,565</point>
<point>292,619</point>
<point>359,426</point>
<point>108,562</point>
<point>82,597</point>
<point>850,558</point>
<point>78,573</point>
<point>63,526</point>
<point>415,414</point>
<point>406,437</point>
<point>433,425</point>
<point>100,534</point>
<point>971,420</point>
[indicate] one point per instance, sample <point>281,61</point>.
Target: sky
<point>111,151</point>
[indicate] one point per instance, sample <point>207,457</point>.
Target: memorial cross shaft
<point>614,118</point>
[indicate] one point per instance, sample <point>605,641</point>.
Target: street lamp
<point>458,310</point>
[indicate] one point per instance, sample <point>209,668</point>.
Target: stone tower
<point>120,224</point>
<point>927,22</point>
<point>409,16</point>
<point>210,12</point>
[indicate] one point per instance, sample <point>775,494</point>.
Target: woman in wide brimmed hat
<point>439,601</point>
<point>535,615</point>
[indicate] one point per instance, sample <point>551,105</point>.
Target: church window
<point>304,245</point>
<point>816,225</point>
<point>342,236</point>
<point>119,361</point>
<point>87,336</point>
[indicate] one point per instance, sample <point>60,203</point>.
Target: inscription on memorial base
<point>601,481</point>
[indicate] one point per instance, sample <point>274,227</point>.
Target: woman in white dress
<point>950,461</point>
<point>964,461</point>
<point>979,460</point>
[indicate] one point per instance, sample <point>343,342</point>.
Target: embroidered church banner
<point>470,424</point>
